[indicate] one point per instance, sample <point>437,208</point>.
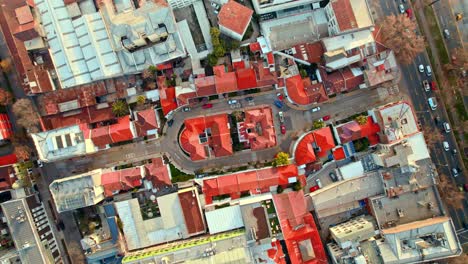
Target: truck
<point>426,85</point>
<point>432,103</point>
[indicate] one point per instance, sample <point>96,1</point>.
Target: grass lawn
<point>179,176</point>
<point>436,35</point>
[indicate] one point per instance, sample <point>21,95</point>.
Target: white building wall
<point>180,3</point>
<point>230,33</point>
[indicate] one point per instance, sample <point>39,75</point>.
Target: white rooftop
<point>426,240</point>
<point>348,41</point>
<point>352,170</point>
<point>224,219</point>
<point>60,143</point>
<point>398,121</point>
<point>140,233</point>
<point>77,191</point>
<point>361,13</point>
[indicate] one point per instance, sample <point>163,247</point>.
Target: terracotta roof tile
<point>344,14</point>
<point>235,16</point>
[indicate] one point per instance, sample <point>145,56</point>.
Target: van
<point>447,127</point>
<point>432,103</point>
<point>446,146</point>
<point>428,70</point>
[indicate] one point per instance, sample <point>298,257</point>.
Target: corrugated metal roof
<point>224,219</point>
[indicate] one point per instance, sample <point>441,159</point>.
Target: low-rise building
<point>268,6</point>
<point>348,15</point>
<point>77,191</point>
<point>234,19</point>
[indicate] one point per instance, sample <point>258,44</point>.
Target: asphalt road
<point>446,16</point>
<point>445,161</point>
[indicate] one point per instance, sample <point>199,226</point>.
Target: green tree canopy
<point>281,159</point>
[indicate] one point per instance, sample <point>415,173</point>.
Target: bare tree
<point>6,98</point>
<point>25,114</point>
<point>449,192</point>
<point>22,152</point>
<point>398,34</point>
<point>462,259</point>
<point>5,65</point>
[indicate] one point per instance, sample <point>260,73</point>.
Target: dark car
<point>170,122</point>
<point>437,120</point>
<point>250,98</point>
<point>333,177</point>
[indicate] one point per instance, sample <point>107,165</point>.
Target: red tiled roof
<point>255,46</point>
<point>246,79</point>
<point>205,86</point>
<point>333,82</point>
<point>235,17</point>
<point>303,92</point>
<point>6,130</point>
<point>121,131</point>
<point>264,118</point>
<point>167,96</point>
<point>121,180</point>
<point>351,80</point>
<point>298,226</point>
<point>145,121</point>
<point>5,180</point>
<point>324,140</point>
<point>352,131</point>
<point>24,15</point>
<point>8,159</point>
<point>309,52</point>
<point>219,142</point>
<point>226,82</point>
<point>263,179</point>
<point>191,210</point>
<point>101,136</point>
<point>344,14</point>
<point>304,153</point>
<point>87,115</point>
<point>238,65</point>
<point>158,173</point>
<point>339,154</point>
<point>264,76</point>
<point>270,58</point>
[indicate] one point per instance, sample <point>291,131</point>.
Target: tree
<point>120,108</point>
<point>449,192</point>
<point>296,186</point>
<point>281,159</point>
<point>237,115</point>
<point>147,74</point>
<point>279,189</point>
<point>25,114</point>
<point>398,34</point>
<point>22,152</point>
<point>141,99</point>
<point>5,65</point>
<point>459,61</point>
<point>212,60</point>
<point>361,120</point>
<point>318,124</point>
<point>214,32</point>
<point>219,51</point>
<point>6,98</point>
<point>303,73</point>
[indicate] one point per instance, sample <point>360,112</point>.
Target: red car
<point>433,86</point>
<point>326,118</point>
<point>409,13</point>
<point>207,106</point>
<point>280,96</point>
<point>283,129</point>
<point>314,188</point>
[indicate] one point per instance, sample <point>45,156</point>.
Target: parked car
<point>432,103</point>
<point>319,183</point>
<point>249,98</point>
<point>446,145</point>
<point>446,33</point>
<point>40,164</point>
<point>232,101</point>
<point>454,151</point>
<point>279,96</point>
<point>465,186</point>
<point>426,86</point>
<point>326,118</point>
<point>30,171</point>
<point>421,68</point>
<point>313,188</point>
<point>447,127</point>
<point>283,129</point>
<point>458,16</point>
<point>186,109</point>
<point>433,86</point>
<point>207,106</point>
<point>454,172</point>
<point>315,109</point>
<point>409,13</point>
<point>333,177</point>
<point>428,70</point>
<point>402,8</point>
<point>281,116</point>
<point>437,120</point>
<point>170,122</point>
<point>278,104</point>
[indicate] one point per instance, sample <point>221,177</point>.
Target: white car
<point>315,109</point>
<point>446,146</point>
<point>402,8</point>
<point>232,102</point>
<point>281,116</point>
<point>421,68</point>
